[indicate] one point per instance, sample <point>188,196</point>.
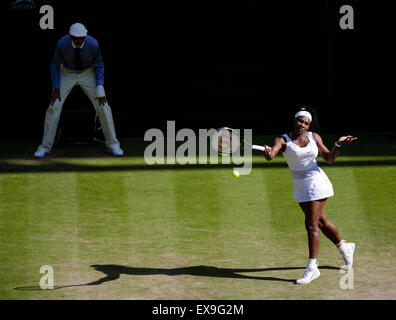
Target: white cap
<point>78,30</point>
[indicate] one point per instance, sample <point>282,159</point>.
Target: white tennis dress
<point>309,181</point>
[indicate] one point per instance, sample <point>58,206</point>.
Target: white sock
<point>312,263</point>
<point>342,248</point>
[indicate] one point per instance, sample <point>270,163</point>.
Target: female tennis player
<point>312,187</point>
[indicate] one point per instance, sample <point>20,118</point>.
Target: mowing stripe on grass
<point>55,212</point>
<point>151,214</point>
<point>243,227</point>
<point>346,207</point>
<point>376,186</point>
<point>198,211</point>
<point>41,230</point>
<point>15,226</point>
<point>364,200</point>
<point>286,219</point>
<point>250,200</point>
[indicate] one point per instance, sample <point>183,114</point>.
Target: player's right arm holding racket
<point>279,144</point>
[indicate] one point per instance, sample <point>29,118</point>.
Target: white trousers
<point>86,80</point>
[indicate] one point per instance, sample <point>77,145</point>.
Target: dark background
<point>206,64</point>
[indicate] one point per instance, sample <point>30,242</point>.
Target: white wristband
<point>100,92</point>
<point>337,145</point>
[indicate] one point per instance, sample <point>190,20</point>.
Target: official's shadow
<point>113,272</point>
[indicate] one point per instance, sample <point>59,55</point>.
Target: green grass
<point>188,231</point>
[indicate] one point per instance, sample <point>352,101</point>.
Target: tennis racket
<point>228,140</point>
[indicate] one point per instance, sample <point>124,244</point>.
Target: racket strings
<point>225,143</point>
<point>228,141</point>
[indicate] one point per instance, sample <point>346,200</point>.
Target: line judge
<point>78,61</point>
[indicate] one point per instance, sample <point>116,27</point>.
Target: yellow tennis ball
<point>235,173</point>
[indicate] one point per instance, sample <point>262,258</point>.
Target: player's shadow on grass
<point>113,272</point>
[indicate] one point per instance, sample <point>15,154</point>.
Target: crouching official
<point>78,61</point>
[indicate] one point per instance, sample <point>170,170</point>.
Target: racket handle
<point>256,147</point>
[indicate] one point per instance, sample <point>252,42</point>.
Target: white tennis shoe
<point>40,153</point>
<point>347,250</point>
<point>309,275</point>
<point>117,152</point>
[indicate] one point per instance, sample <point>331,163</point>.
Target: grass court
<point>117,228</point>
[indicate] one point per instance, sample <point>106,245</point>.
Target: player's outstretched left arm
<point>326,154</point>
